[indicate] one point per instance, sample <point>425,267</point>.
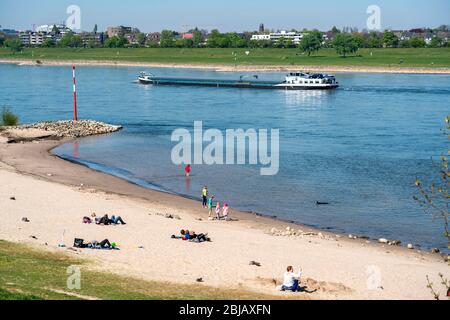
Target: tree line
<point>344,42</point>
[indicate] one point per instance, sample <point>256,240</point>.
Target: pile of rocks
<point>72,129</point>
<point>290,232</point>
<point>390,242</point>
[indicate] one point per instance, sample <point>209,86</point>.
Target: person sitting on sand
<point>291,280</point>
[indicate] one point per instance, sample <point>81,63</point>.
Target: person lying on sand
<point>291,280</point>
<point>105,220</point>
<point>117,220</point>
<point>94,244</point>
<point>187,235</point>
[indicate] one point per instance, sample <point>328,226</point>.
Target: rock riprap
<point>59,129</point>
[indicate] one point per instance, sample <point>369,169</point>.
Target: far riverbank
<point>230,68</point>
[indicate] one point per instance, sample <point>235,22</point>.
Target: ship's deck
<point>212,82</point>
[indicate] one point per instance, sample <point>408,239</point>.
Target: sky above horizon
<point>230,15</point>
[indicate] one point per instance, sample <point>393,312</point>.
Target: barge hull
<point>232,84</point>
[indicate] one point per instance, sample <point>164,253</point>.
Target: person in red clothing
<point>187,169</point>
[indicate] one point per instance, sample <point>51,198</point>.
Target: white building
<point>295,37</point>
<point>260,37</point>
<point>47,28</point>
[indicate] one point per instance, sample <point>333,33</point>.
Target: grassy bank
<point>28,274</point>
<point>409,57</point>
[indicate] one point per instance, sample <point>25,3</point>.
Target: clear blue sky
<point>230,15</point>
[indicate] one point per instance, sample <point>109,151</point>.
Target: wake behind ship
<point>293,81</point>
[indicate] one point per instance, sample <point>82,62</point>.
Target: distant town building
<point>121,31</point>
<point>187,36</point>
<point>10,33</point>
<point>49,28</point>
<point>295,37</point>
<point>260,37</point>
<point>154,37</point>
<point>261,28</point>
<point>92,39</point>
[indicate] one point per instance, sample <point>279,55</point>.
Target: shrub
<point>8,118</point>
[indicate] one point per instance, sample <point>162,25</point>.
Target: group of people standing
<point>221,213</point>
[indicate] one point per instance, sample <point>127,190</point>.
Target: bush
<point>8,118</point>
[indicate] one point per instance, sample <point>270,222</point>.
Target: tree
<point>48,43</point>
<point>374,40</point>
<point>335,31</point>
<point>116,42</point>
<point>311,42</point>
<point>443,28</point>
<point>14,44</point>
<point>167,39</point>
<point>95,29</point>
<point>417,43</point>
<point>436,42</point>
<point>198,37</point>
<point>55,29</point>
<point>141,39</point>
<point>344,43</point>
<point>435,198</point>
<point>235,41</point>
<point>70,40</point>
<point>8,118</point>
<point>214,39</point>
<point>390,39</point>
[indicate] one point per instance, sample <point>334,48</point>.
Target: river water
<point>359,148</point>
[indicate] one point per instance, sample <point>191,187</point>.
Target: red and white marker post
<point>75,114</point>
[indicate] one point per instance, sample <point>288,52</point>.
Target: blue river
<point>359,148</point>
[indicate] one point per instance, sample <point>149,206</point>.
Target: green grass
<point>28,274</point>
<point>408,57</point>
<point>8,118</point>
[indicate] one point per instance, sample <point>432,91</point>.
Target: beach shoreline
<point>231,68</point>
<point>31,166</point>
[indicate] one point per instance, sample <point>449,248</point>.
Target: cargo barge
<point>293,81</point>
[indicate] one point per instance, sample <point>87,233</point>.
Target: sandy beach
<point>55,195</point>
<point>232,68</point>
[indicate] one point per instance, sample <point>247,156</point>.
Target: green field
<point>27,274</point>
<point>418,58</point>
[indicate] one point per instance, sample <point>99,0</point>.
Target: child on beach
<point>205,196</point>
<point>226,210</point>
<point>218,211</point>
<point>187,170</point>
<point>210,206</point>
